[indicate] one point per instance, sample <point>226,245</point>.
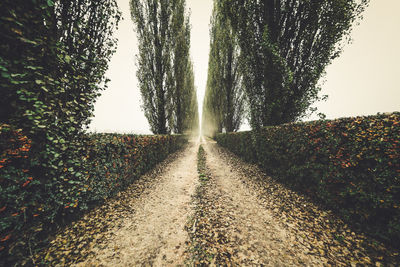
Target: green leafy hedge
<point>352,165</point>
<point>53,59</point>
<point>103,165</point>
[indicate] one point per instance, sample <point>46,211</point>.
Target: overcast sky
<point>364,80</point>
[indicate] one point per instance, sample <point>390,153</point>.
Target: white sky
<point>364,80</point>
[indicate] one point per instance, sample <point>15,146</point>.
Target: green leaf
<point>27,41</point>
<point>5,74</point>
<point>50,3</point>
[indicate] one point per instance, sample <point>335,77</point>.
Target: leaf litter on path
<point>233,229</point>
<point>312,236</point>
<point>154,234</point>
<point>238,216</point>
<point>86,239</point>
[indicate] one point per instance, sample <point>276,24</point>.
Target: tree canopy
<point>53,59</point>
<point>223,106</point>
<point>285,47</point>
<point>163,31</point>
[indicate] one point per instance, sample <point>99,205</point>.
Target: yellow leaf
<point>17,31</point>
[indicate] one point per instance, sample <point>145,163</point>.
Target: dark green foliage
<point>285,47</point>
<point>53,57</point>
<point>164,71</point>
<point>181,31</point>
<point>352,165</point>
<point>223,106</point>
<point>183,76</point>
<point>85,28</point>
<point>53,60</point>
<point>153,20</point>
<point>191,109</point>
<point>31,206</point>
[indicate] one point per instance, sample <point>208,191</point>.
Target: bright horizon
<point>362,81</point>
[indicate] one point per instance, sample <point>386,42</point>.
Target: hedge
<point>31,205</point>
<point>351,165</point>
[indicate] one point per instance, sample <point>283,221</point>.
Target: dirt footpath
<point>154,234</point>
<point>238,230</point>
<point>245,218</point>
<point>206,207</point>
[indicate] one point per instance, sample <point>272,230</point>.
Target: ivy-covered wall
<point>31,205</point>
<point>352,165</point>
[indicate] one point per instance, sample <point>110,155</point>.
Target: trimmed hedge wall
<point>103,165</point>
<point>352,165</point>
